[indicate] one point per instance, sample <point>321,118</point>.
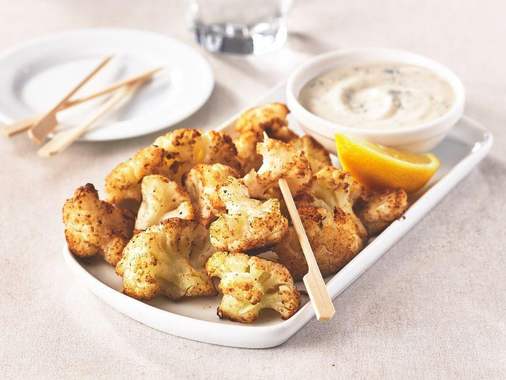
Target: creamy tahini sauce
<point>378,96</point>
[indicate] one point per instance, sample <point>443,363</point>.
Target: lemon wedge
<point>378,166</point>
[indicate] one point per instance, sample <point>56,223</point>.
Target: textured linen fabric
<point>433,307</point>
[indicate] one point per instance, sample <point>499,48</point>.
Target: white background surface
<point>434,307</point>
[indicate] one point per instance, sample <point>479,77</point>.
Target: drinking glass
<point>239,26</point>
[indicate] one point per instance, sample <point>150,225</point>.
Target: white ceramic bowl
<point>419,138</point>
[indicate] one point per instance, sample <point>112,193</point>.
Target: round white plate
<point>37,74</point>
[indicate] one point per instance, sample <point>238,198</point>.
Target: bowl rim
<point>324,60</point>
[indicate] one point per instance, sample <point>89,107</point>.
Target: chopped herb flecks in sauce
<point>378,96</point>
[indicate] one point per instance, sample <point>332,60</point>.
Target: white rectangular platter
<point>196,319</point>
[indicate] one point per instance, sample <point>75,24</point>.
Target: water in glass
<point>239,26</point>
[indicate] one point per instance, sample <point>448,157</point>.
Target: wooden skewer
<point>113,87</point>
<point>63,140</point>
<point>25,124</point>
<point>47,122</point>
<point>313,280</point>
<point>19,126</point>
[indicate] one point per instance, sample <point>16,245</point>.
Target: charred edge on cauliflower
<point>196,147</point>
<point>316,154</point>
<point>378,210</point>
<point>248,223</point>
<point>95,227</point>
<point>123,184</point>
<point>280,160</point>
<point>251,284</point>
<point>251,125</point>
<point>339,189</point>
<point>333,235</point>
<point>167,259</point>
<point>172,156</point>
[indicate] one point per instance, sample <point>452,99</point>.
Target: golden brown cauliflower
<point>248,223</point>
<point>280,160</point>
<point>246,144</point>
<point>167,259</point>
<point>185,143</point>
<point>203,183</point>
<point>378,210</point>
<point>269,118</point>
<point>220,149</point>
<point>339,189</point>
<point>95,227</point>
<point>316,154</point>
<point>172,156</point>
<point>250,284</point>
<point>162,199</point>
<point>123,184</point>
<point>193,147</point>
<point>251,125</point>
<point>333,235</point>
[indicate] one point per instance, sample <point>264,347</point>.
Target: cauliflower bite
<point>246,144</point>
<point>167,259</point>
<point>95,227</point>
<point>269,118</point>
<point>172,156</point>
<point>333,235</point>
<point>185,143</point>
<point>378,210</point>
<point>162,199</point>
<point>248,223</point>
<point>220,149</point>
<point>250,284</point>
<point>195,147</point>
<point>316,154</point>
<point>251,125</point>
<point>203,183</point>
<point>280,160</point>
<point>339,189</point>
<point>123,184</point>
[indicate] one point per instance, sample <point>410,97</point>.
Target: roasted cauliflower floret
<point>250,284</point>
<point>316,154</point>
<point>333,235</point>
<point>162,199</point>
<point>246,144</point>
<point>378,210</point>
<point>220,149</point>
<point>123,184</point>
<point>248,223</point>
<point>172,156</point>
<point>95,227</point>
<point>185,143</point>
<point>280,160</point>
<point>167,259</point>
<point>339,189</point>
<point>251,125</point>
<point>203,183</point>
<point>269,118</point>
<point>194,147</point>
